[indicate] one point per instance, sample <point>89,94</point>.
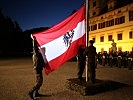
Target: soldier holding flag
<point>38,64</point>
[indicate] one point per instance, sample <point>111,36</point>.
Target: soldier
<point>104,58</point>
<point>38,64</point>
<point>90,52</point>
<point>81,62</point>
<point>130,60</point>
<point>99,57</point>
<point>115,62</point>
<point>110,59</point>
<point>125,59</point>
<point>119,59</point>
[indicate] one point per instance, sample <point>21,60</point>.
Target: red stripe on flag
<point>51,35</point>
<point>61,28</point>
<point>70,53</point>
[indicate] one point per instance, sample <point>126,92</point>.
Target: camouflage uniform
<point>38,64</point>
<point>81,62</point>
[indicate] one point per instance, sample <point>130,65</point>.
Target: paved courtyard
<point>17,78</point>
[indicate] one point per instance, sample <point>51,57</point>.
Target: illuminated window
<point>120,20</point>
<point>94,27</point>
<point>131,35</point>
<point>109,37</point>
<point>110,23</point>
<point>102,39</point>
<point>119,36</point>
<point>130,15</point>
<point>101,25</point>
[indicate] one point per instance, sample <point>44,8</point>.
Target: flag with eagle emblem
<point>61,42</point>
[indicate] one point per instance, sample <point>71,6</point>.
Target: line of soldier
<point>117,59</point>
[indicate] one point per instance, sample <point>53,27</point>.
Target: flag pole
<point>86,29</point>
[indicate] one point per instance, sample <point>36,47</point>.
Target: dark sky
<point>39,13</point>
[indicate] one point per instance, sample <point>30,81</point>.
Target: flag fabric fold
<point>61,42</point>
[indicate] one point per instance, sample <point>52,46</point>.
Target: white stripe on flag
<point>57,47</point>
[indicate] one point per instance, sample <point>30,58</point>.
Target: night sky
<point>39,13</point>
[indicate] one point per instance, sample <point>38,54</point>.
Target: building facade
<point>114,24</point>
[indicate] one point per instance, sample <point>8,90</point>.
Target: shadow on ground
<point>86,88</point>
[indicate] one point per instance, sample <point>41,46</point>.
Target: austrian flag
<point>61,42</point>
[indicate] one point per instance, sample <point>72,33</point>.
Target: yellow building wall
<point>126,44</point>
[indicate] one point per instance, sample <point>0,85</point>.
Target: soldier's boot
<point>37,94</point>
<point>31,92</point>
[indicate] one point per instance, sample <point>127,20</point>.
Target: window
<point>94,27</point>
<point>110,23</point>
<point>119,36</point>
<point>120,20</point>
<point>109,37</point>
<point>131,35</point>
<point>101,25</point>
<point>130,15</point>
<point>102,39</point>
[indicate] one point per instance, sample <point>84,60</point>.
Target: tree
<point>10,35</point>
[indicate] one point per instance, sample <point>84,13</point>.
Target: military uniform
<point>119,59</point>
<point>90,52</point>
<point>104,59</point>
<point>130,60</point>
<point>38,64</point>
<point>81,62</point>
<point>110,57</point>
<point>125,59</point>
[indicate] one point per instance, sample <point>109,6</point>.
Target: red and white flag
<point>61,42</point>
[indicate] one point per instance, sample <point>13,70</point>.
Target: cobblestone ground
<point>17,78</point>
